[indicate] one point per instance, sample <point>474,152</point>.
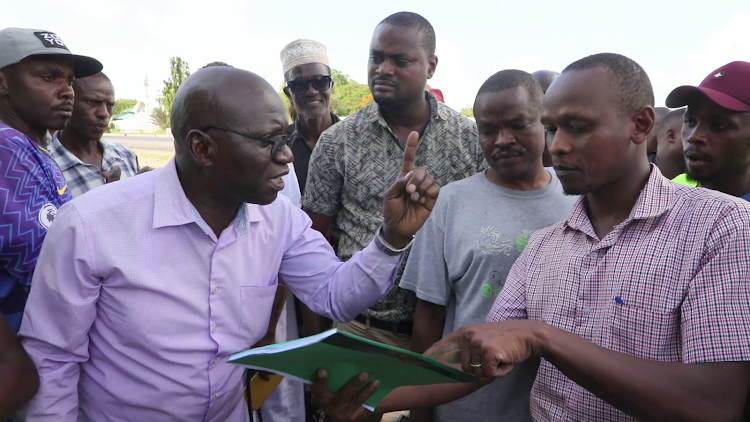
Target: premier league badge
<point>47,215</point>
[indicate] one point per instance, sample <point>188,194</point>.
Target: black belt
<point>397,328</point>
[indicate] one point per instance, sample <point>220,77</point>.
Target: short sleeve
<point>426,271</point>
<point>716,310</point>
<point>20,229</point>
<point>325,177</point>
<point>477,153</point>
<point>511,303</point>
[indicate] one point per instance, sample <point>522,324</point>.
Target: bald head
<point>229,127</point>
<point>545,78</point>
<point>221,96</point>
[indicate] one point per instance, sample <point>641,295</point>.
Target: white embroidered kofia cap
<point>300,52</point>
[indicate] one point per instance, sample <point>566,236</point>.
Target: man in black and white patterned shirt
<point>357,159</point>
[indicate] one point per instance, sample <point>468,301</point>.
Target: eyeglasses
<point>278,142</point>
<point>300,86</point>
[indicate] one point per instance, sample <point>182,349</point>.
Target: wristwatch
<point>386,247</point>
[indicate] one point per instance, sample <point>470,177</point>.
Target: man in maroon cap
<point>716,129</point>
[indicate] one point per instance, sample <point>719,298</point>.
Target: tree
<point>348,96</point>
<point>123,104</point>
<point>160,117</point>
<point>468,111</point>
<point>179,72</point>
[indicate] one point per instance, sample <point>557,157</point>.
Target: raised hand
<point>410,200</point>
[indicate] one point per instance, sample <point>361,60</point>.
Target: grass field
<point>152,157</point>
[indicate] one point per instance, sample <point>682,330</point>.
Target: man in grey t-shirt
<point>478,228</point>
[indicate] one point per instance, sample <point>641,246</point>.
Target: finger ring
<point>478,365</point>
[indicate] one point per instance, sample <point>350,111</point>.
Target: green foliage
<point>179,72</point>
<point>123,104</point>
<point>348,95</point>
<point>339,78</point>
<point>468,111</point>
<point>160,117</point>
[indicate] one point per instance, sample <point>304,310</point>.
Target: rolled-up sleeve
<point>59,313</point>
<point>327,286</point>
<point>715,314</point>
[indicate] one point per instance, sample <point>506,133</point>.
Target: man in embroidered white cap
<point>308,87</point>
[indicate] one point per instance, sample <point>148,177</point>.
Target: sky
<point>677,42</point>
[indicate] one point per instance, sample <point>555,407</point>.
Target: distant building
<point>138,119</point>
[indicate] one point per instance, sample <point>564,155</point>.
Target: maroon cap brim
<point>682,96</point>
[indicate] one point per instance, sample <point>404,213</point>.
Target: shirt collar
<point>437,110</point>
<point>656,198</point>
<point>293,130</point>
<point>56,149</point>
<point>69,160</point>
<point>172,208</point>
<point>109,152</point>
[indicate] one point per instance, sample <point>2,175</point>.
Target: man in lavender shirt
<point>145,287</point>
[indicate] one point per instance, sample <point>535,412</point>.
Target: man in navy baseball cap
<point>716,129</point>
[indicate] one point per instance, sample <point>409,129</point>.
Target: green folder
<point>345,355</point>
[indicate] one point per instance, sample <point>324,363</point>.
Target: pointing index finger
<point>410,151</point>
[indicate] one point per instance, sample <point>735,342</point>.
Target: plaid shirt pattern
<point>671,283</point>
<point>82,177</point>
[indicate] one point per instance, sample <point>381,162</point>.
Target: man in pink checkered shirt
<point>638,301</point>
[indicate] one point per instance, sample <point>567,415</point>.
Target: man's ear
<point>672,136</point>
<point>644,124</point>
<point>4,84</point>
<point>432,63</point>
<point>287,93</point>
<point>202,147</point>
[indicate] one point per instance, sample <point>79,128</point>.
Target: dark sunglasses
<point>278,142</point>
<point>300,86</point>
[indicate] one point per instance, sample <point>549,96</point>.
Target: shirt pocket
<point>645,332</point>
<point>255,314</point>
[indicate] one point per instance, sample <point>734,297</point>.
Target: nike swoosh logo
<point>62,191</point>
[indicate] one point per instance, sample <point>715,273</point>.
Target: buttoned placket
<point>215,293</point>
